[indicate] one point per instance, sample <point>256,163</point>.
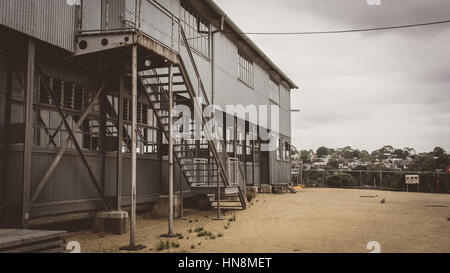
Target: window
<point>230,140</point>
<point>278,140</point>
<point>245,69</point>
<point>286,151</point>
<point>147,133</point>
<point>49,129</point>
<point>192,23</point>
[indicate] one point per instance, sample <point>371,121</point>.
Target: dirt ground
<point>314,220</point>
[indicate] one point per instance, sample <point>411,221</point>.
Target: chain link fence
<point>388,180</point>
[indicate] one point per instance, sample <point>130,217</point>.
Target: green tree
<point>305,156</point>
<point>322,151</point>
<point>399,153</point>
<point>440,158</point>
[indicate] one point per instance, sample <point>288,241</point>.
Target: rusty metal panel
<point>52,21</point>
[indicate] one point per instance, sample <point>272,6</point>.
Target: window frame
<point>190,20</point>
<point>246,70</point>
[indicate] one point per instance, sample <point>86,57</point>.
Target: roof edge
<point>247,39</point>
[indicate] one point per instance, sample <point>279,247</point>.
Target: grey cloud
<point>364,90</point>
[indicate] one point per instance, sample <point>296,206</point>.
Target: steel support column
<point>119,147</point>
<point>133,144</point>
<point>134,97</point>
<point>28,139</point>
<point>170,150</point>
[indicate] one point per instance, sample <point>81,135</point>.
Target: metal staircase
<point>202,165</point>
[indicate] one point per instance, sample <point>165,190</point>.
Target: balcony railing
<point>147,17</point>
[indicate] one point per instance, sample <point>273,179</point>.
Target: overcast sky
<point>365,90</point>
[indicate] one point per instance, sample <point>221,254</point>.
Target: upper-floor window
<point>245,67</point>
<point>196,29</point>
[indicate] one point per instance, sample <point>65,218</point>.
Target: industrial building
<point>72,73</point>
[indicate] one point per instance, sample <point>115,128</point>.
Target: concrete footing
<point>115,222</point>
<point>265,189</point>
<point>252,193</point>
<point>161,207</point>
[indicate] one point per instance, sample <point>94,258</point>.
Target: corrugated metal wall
<point>285,112</point>
<point>70,181</point>
<point>52,21</point>
<point>178,177</point>
<point>280,171</point>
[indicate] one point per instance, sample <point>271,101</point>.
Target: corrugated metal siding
<point>3,179</point>
<point>3,73</point>
<point>178,176</point>
<point>285,111</point>
<point>52,21</point>
<point>280,171</point>
<point>71,182</point>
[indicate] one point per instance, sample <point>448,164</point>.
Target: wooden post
<point>119,146</point>
<point>28,143</point>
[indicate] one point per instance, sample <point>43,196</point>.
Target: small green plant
<point>192,246</point>
<point>204,233</point>
<point>180,237</point>
<point>190,230</point>
<point>232,219</point>
<point>199,229</point>
<point>199,244</point>
<point>225,227</point>
<point>175,245</point>
<point>220,235</point>
<point>162,245</point>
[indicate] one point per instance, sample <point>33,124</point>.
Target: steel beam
<point>72,138</point>
<point>28,143</point>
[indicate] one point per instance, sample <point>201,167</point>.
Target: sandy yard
<point>314,220</point>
